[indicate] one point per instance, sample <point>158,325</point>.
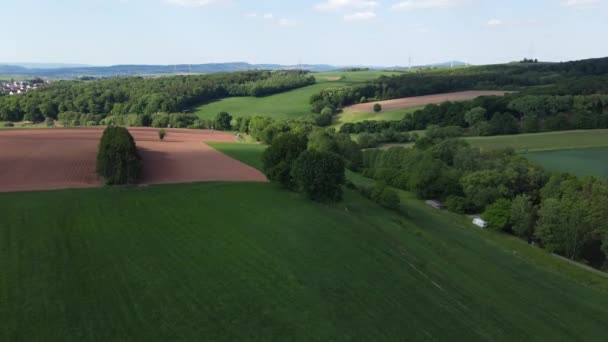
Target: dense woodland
<point>144,96</point>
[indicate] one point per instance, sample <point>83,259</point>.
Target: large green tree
<point>320,175</point>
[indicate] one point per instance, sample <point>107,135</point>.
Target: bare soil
<point>47,159</point>
<point>410,102</point>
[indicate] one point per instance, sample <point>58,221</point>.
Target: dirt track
<point>410,102</point>
<point>48,159</point>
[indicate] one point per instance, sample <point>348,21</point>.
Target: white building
<point>480,222</point>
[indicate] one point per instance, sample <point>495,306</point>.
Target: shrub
<point>118,161</point>
<point>8,124</point>
<point>377,108</point>
<point>162,134</point>
<point>385,196</point>
<point>223,121</point>
<point>320,175</point>
<point>49,122</point>
<point>498,215</point>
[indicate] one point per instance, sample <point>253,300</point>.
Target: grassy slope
<point>251,261</point>
<point>581,162</point>
<point>545,141</point>
<point>289,105</point>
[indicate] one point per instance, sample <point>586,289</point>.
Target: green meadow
<point>251,261</point>
<point>544,141</point>
<point>288,105</point>
<point>581,162</point>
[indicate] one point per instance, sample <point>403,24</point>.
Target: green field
<point>350,116</point>
<point>580,162</point>
<point>250,261</point>
<point>248,153</point>
<point>544,141</point>
<point>288,105</point>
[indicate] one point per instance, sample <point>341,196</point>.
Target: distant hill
<point>76,70</point>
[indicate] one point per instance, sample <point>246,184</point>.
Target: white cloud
<point>268,16</point>
<point>193,3</point>
<point>494,22</point>
<point>346,5</point>
<point>359,16</point>
<point>581,4</point>
<point>411,5</point>
<point>287,22</point>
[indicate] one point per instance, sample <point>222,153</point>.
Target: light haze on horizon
<point>337,32</point>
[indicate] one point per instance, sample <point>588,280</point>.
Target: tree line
<point>138,95</point>
<point>560,212</point>
<point>494,115</point>
<point>513,76</point>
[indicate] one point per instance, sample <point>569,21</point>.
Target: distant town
<point>20,87</point>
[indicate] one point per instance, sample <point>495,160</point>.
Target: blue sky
<point>341,32</point>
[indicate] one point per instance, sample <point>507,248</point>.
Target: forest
<point>137,95</point>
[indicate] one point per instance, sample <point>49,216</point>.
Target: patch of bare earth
<point>417,101</point>
<point>50,159</point>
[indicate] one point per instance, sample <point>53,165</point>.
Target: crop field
<point>544,141</point>
<point>580,162</point>
<point>250,261</point>
<point>65,158</point>
<point>417,101</point>
<point>288,105</point>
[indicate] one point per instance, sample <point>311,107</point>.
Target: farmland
<point>417,101</point>
<point>288,105</point>
<point>544,141</point>
<point>349,115</point>
<point>278,268</point>
<point>581,162</point>
<point>65,158</point>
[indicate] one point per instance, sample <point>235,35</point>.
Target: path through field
<point>409,102</point>
<point>49,159</point>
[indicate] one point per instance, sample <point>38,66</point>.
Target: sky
<point>337,32</point>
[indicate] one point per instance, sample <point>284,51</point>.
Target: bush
<point>385,196</point>
<point>49,122</point>
<point>498,215</point>
<point>162,134</point>
<point>8,124</point>
<point>320,175</point>
<point>118,161</point>
<point>377,108</point>
<point>223,121</point>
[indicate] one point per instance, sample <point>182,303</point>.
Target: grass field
<point>23,125</point>
<point>289,105</point>
<point>248,153</point>
<point>254,262</point>
<point>544,141</point>
<point>581,162</point>
<point>350,116</point>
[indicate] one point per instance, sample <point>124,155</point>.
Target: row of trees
<point>137,95</point>
<point>493,115</point>
<point>564,214</point>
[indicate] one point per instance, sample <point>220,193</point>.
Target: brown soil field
<point>47,159</point>
<point>410,102</point>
